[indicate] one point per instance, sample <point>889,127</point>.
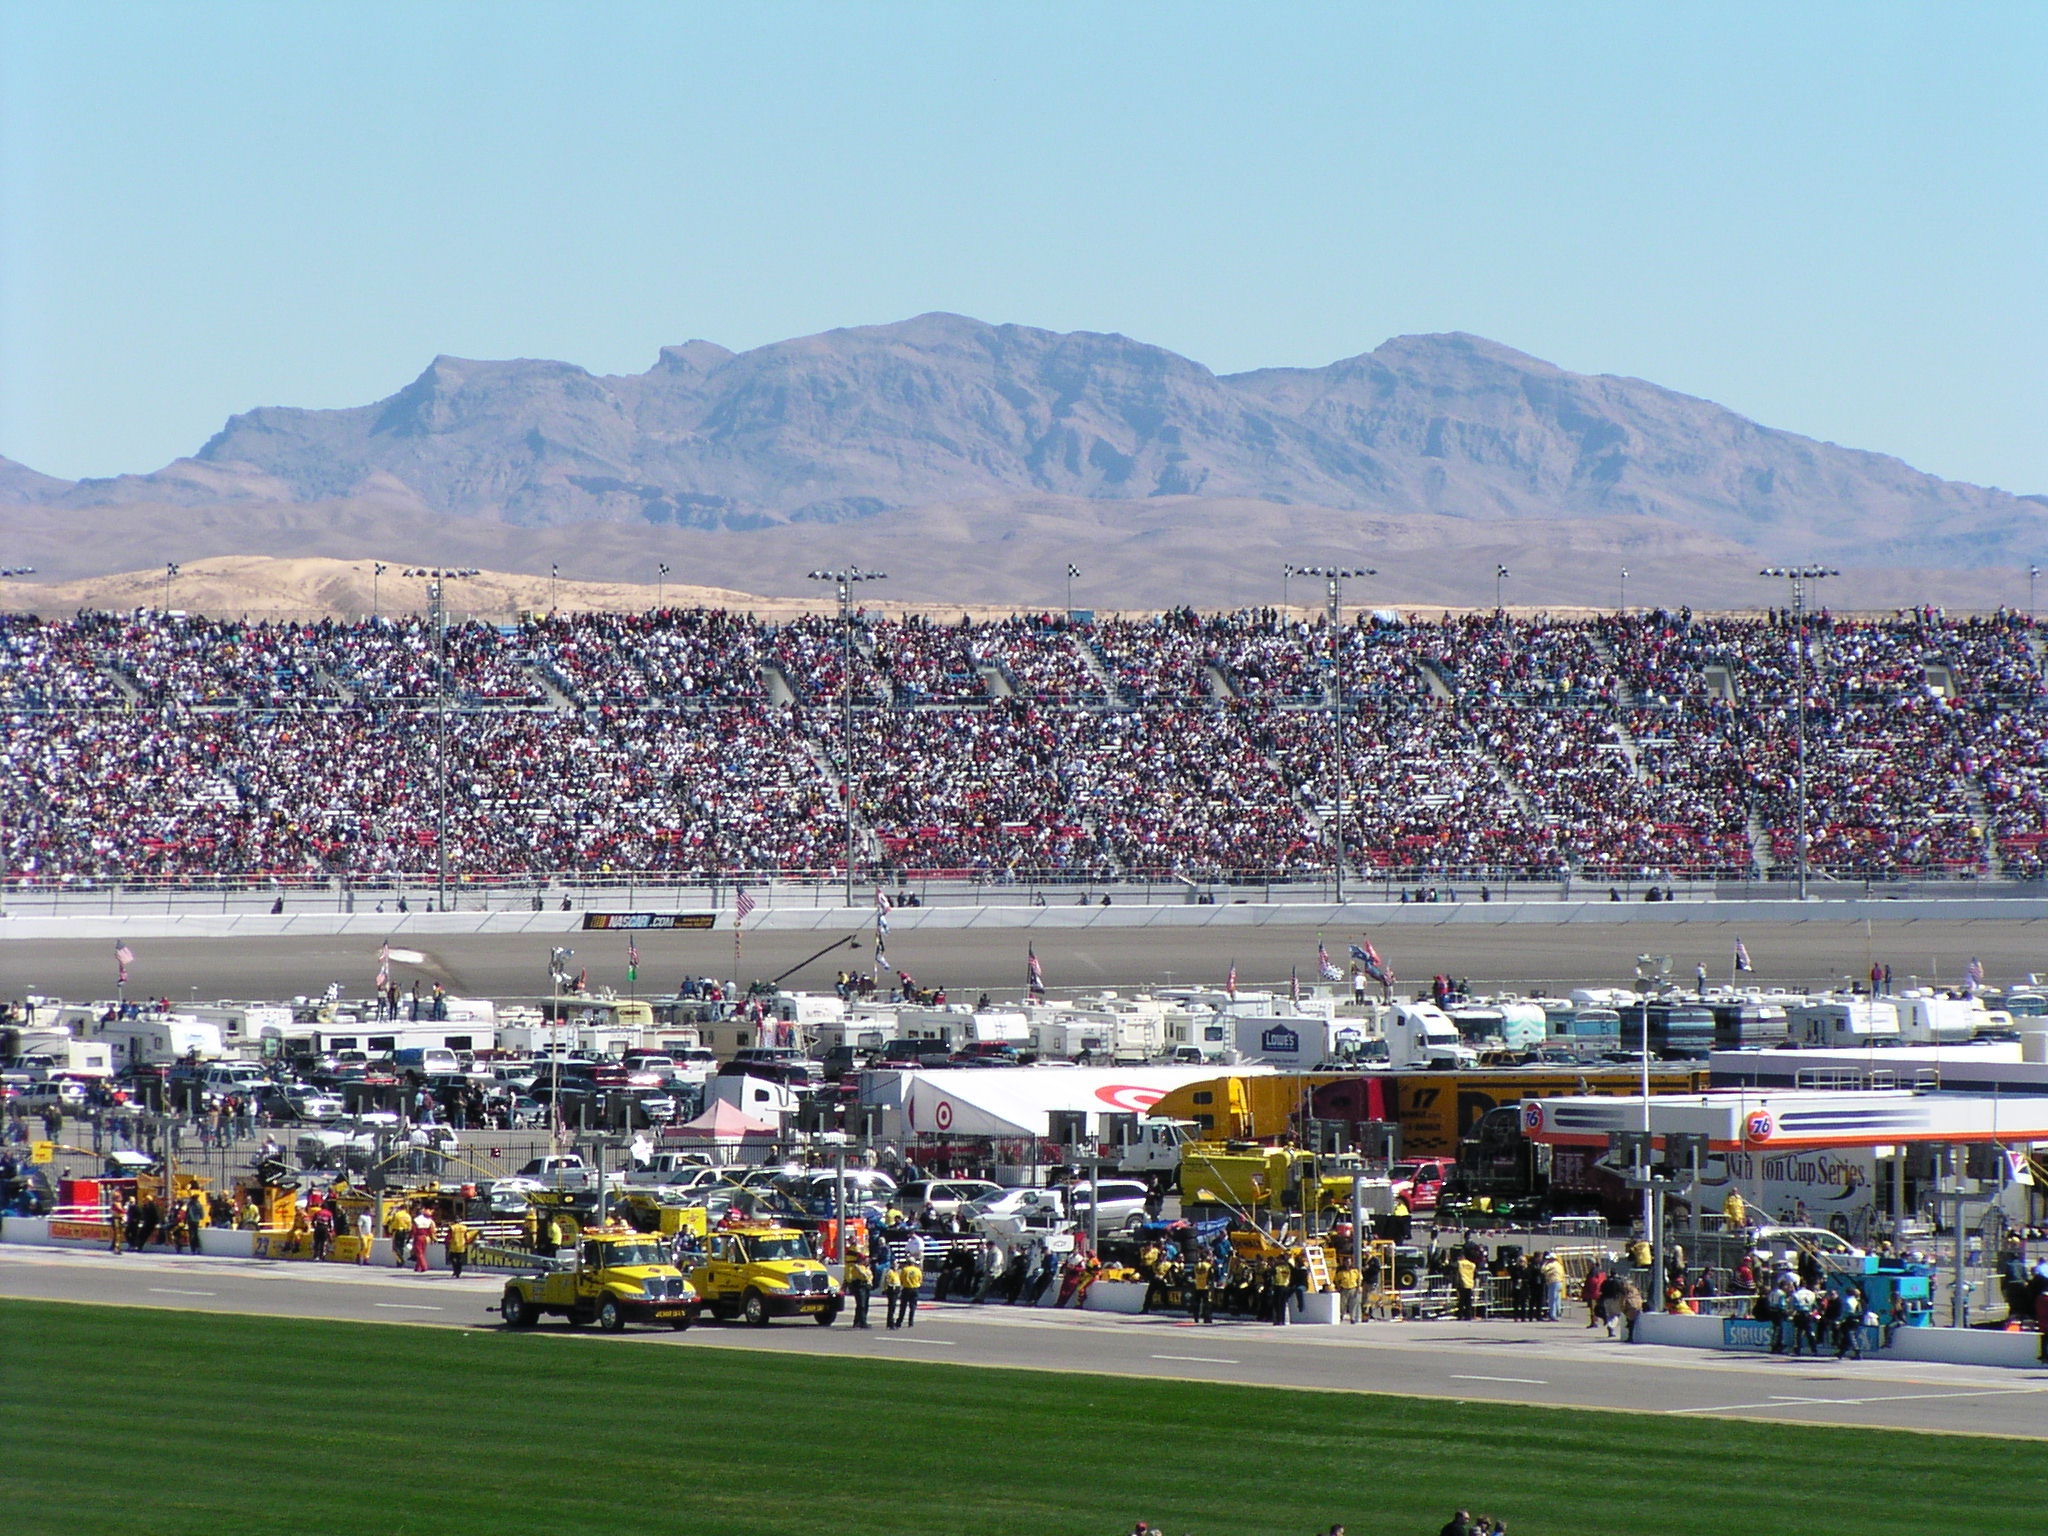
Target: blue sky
<point>1833,218</point>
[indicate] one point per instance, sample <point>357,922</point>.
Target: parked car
<point>1012,1213</point>
<point>307,1104</point>
<point>942,1197</point>
<point>1123,1203</point>
<point>61,1092</point>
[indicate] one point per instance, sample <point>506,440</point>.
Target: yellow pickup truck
<point>759,1272</point>
<point>614,1278</point>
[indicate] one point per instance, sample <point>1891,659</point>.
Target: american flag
<point>1325,966</point>
<point>1033,973</point>
<point>1975,972</point>
<point>1230,981</point>
<point>1741,956</point>
<point>743,905</point>
<point>123,958</point>
<point>383,965</point>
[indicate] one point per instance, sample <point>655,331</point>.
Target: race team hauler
<point>760,1271</point>
<point>614,1278</point>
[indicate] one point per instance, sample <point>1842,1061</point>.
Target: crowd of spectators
<point>1639,746</point>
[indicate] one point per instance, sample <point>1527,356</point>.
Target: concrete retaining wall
<point>1759,916</point>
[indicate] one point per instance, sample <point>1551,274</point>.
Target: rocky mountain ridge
<point>850,426</point>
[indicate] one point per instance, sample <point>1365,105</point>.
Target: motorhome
<point>1843,1021</point>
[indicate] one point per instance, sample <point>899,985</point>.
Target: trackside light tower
<point>1801,576</point>
<point>437,615</point>
<point>843,583</point>
<point>1336,576</point>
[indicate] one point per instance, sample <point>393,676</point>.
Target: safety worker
<point>458,1247</point>
<point>1202,1289</point>
<point>1350,1292</point>
<point>892,1294</point>
<point>398,1227</point>
<point>860,1284</point>
<point>910,1279</point>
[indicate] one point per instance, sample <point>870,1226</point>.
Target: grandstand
<point>696,743</point>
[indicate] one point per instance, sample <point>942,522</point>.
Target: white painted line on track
<point>1203,1359</point>
<point>165,1290</point>
<point>948,1343</point>
<point>407,1306</point>
<point>1520,1381</point>
<point>1888,1397</point>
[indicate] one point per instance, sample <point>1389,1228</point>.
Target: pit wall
<point>1947,1346</point>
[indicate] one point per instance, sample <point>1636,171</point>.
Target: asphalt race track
<point>1806,950</point>
<point>1558,1365</point>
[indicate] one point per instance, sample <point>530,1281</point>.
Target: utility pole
<point>843,583</point>
<point>1800,576</point>
<point>1336,576</point>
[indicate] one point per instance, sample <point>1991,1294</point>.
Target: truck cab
<point>761,1272</point>
<point>608,1278</point>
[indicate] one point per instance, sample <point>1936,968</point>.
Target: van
<point>421,1062</point>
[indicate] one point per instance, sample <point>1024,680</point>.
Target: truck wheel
<point>609,1317</point>
<point>1404,1279</point>
<point>680,1325</point>
<point>827,1318</point>
<point>515,1311</point>
<point>754,1309</point>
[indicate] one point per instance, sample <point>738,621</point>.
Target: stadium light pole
<point>437,615</point>
<point>1287,574</point>
<point>1073,571</point>
<point>7,572</point>
<point>843,583</point>
<point>1336,576</point>
<point>171,568</point>
<point>660,584</point>
<point>1624,592</point>
<point>1800,576</point>
<point>1500,574</point>
<point>554,580</point>
<point>377,569</point>
<point>2033,575</point>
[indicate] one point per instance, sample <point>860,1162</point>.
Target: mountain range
<point>942,435</point>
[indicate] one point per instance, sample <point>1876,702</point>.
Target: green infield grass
<point>123,1420</point>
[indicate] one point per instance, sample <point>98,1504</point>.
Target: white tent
<point>725,1130</point>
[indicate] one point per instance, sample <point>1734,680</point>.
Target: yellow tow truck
<point>760,1271</point>
<point>612,1279</point>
